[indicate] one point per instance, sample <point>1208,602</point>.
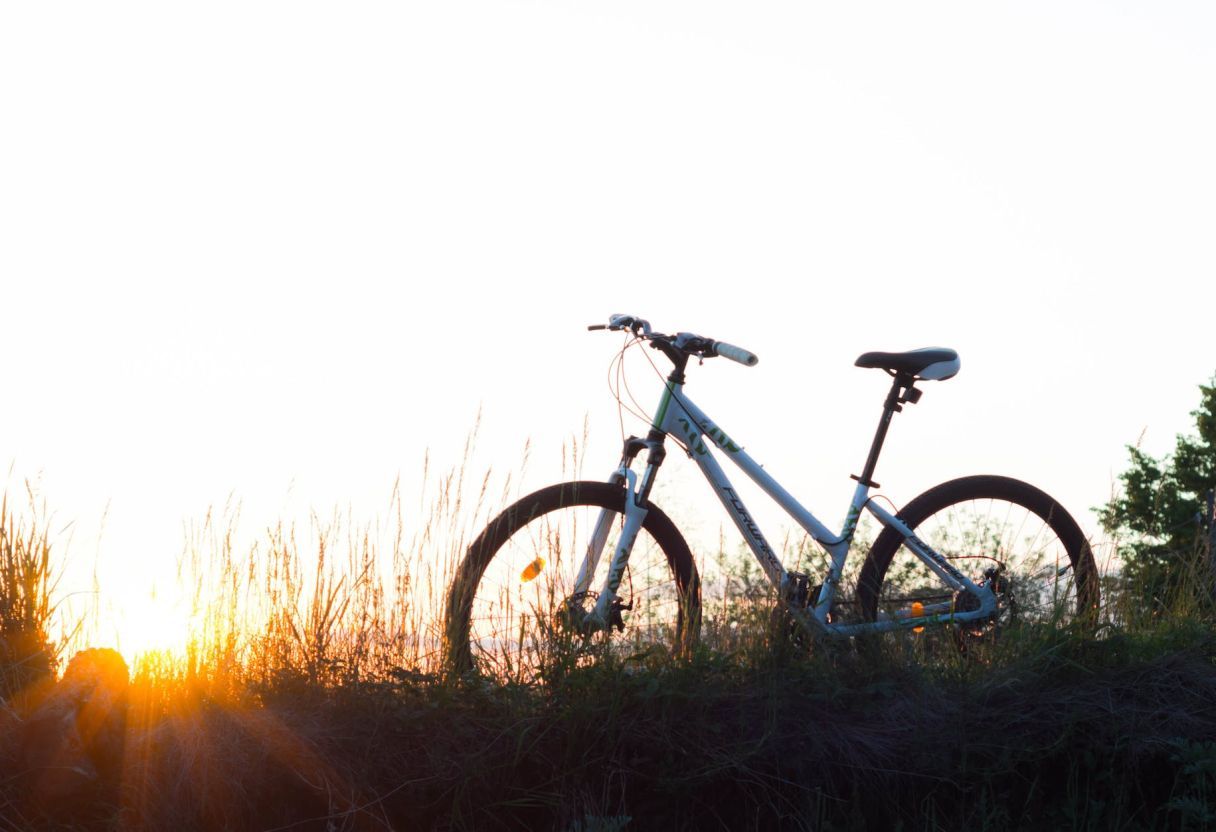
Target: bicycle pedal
<point>799,592</point>
<point>616,621</point>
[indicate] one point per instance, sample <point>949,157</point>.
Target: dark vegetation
<point>1165,514</point>
<point>308,701</point>
<point>1055,731</point>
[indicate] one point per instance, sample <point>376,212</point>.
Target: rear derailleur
<point>995,579</point>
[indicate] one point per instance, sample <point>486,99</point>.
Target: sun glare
<point>148,622</point>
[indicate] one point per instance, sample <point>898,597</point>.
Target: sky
<point>277,254</point>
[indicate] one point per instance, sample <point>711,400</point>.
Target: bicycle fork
<point>606,611</point>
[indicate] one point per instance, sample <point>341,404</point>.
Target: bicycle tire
<point>962,520</point>
<point>484,629</point>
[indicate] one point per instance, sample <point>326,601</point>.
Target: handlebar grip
<point>734,353</point>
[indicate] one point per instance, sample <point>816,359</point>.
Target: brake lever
<point>638,326</point>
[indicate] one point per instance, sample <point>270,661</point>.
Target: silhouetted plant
<point>1165,515</point>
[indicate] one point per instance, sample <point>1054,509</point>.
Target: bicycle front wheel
<point>509,608</point>
<point>997,531</point>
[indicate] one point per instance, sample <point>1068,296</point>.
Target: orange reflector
<point>918,609</point>
<point>532,570</point>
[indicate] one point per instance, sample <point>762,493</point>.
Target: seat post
<point>896,398</point>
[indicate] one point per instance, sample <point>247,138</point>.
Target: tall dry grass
<point>312,696</point>
<point>28,579</point>
<point>333,601</point>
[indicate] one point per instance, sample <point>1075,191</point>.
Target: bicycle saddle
<point>933,363</point>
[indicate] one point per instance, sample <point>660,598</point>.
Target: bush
<point>1165,516</point>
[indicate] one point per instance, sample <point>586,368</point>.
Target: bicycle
<point>530,578</point>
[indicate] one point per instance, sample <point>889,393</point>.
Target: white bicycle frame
<point>678,416</point>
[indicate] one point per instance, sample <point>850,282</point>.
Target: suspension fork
<point>637,494</point>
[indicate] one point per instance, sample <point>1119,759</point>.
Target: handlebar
<point>638,326</point>
<point>749,359</point>
<point>682,342</point>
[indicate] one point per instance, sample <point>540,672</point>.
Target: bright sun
<point>145,622</point>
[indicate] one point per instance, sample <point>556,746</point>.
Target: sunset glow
<point>146,622</point>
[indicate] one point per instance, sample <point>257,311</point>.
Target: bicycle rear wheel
<point>508,608</point>
<point>997,531</point>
